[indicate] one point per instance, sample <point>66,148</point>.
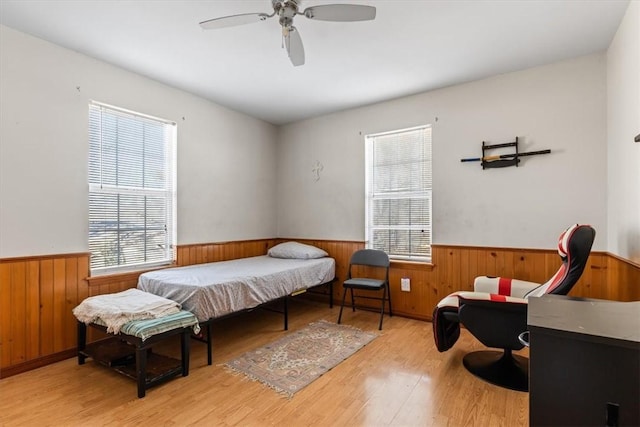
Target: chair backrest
<point>370,258</point>
<point>574,247</point>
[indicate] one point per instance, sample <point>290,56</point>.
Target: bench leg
<point>82,342</point>
<point>184,349</point>
<point>141,370</point>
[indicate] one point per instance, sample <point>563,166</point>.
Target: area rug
<point>293,362</point>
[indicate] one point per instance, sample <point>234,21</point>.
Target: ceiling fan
<point>286,11</point>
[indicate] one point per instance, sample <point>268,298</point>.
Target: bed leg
<point>286,313</point>
<point>331,294</point>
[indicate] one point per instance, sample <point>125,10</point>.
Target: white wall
<point>623,124</point>
<point>226,160</point>
<point>560,106</point>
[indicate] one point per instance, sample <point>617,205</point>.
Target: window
<point>398,187</point>
<point>131,189</point>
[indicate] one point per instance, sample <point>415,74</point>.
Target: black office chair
<point>496,313</point>
<point>368,258</point>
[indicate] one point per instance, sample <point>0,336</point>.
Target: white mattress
<point>215,289</point>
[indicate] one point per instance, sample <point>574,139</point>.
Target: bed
<point>214,290</point>
<point>219,288</point>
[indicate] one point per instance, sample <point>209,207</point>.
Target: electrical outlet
<point>405,284</point>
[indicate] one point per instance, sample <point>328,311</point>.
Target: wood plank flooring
<point>399,379</point>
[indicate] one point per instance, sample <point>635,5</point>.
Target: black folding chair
<point>368,258</point>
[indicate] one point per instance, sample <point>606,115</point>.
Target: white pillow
<point>296,250</point>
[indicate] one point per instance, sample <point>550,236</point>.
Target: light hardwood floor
<point>399,379</point>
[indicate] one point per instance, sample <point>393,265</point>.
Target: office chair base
<point>502,369</point>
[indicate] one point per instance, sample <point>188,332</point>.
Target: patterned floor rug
<point>293,362</point>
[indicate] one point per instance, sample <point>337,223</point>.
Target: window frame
<point>423,194</point>
<point>167,192</point>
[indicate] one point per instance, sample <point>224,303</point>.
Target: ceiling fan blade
<point>233,20</point>
<point>295,49</point>
<point>341,12</point>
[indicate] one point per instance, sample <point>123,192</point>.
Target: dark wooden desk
<point>584,362</point>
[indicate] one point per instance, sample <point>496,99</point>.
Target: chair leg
<point>353,301</point>
<point>389,297</point>
<point>344,294</point>
<point>384,297</point>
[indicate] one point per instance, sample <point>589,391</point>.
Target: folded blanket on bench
<point>117,309</point>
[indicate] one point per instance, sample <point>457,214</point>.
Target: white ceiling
<point>412,46</point>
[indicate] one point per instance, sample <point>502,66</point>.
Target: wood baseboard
<point>37,363</point>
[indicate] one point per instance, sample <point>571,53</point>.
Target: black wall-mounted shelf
<point>500,162</point>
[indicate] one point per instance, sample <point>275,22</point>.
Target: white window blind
<point>131,189</point>
<point>398,199</point>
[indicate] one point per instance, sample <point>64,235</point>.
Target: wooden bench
<point>129,352</point>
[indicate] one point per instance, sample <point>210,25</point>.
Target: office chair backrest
<point>574,247</point>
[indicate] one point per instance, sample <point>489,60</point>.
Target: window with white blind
<point>131,189</point>
<point>398,187</point>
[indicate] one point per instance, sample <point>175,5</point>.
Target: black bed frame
<point>205,334</point>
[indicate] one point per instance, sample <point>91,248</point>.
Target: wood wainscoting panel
<point>592,283</point>
<point>46,306</point>
<point>604,276</point>
<point>623,277</point>
<point>5,315</point>
<point>222,251</point>
<point>454,268</point>
<point>418,301</point>
<point>37,295</point>
<point>414,304</point>
<point>101,285</point>
<point>340,251</point>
